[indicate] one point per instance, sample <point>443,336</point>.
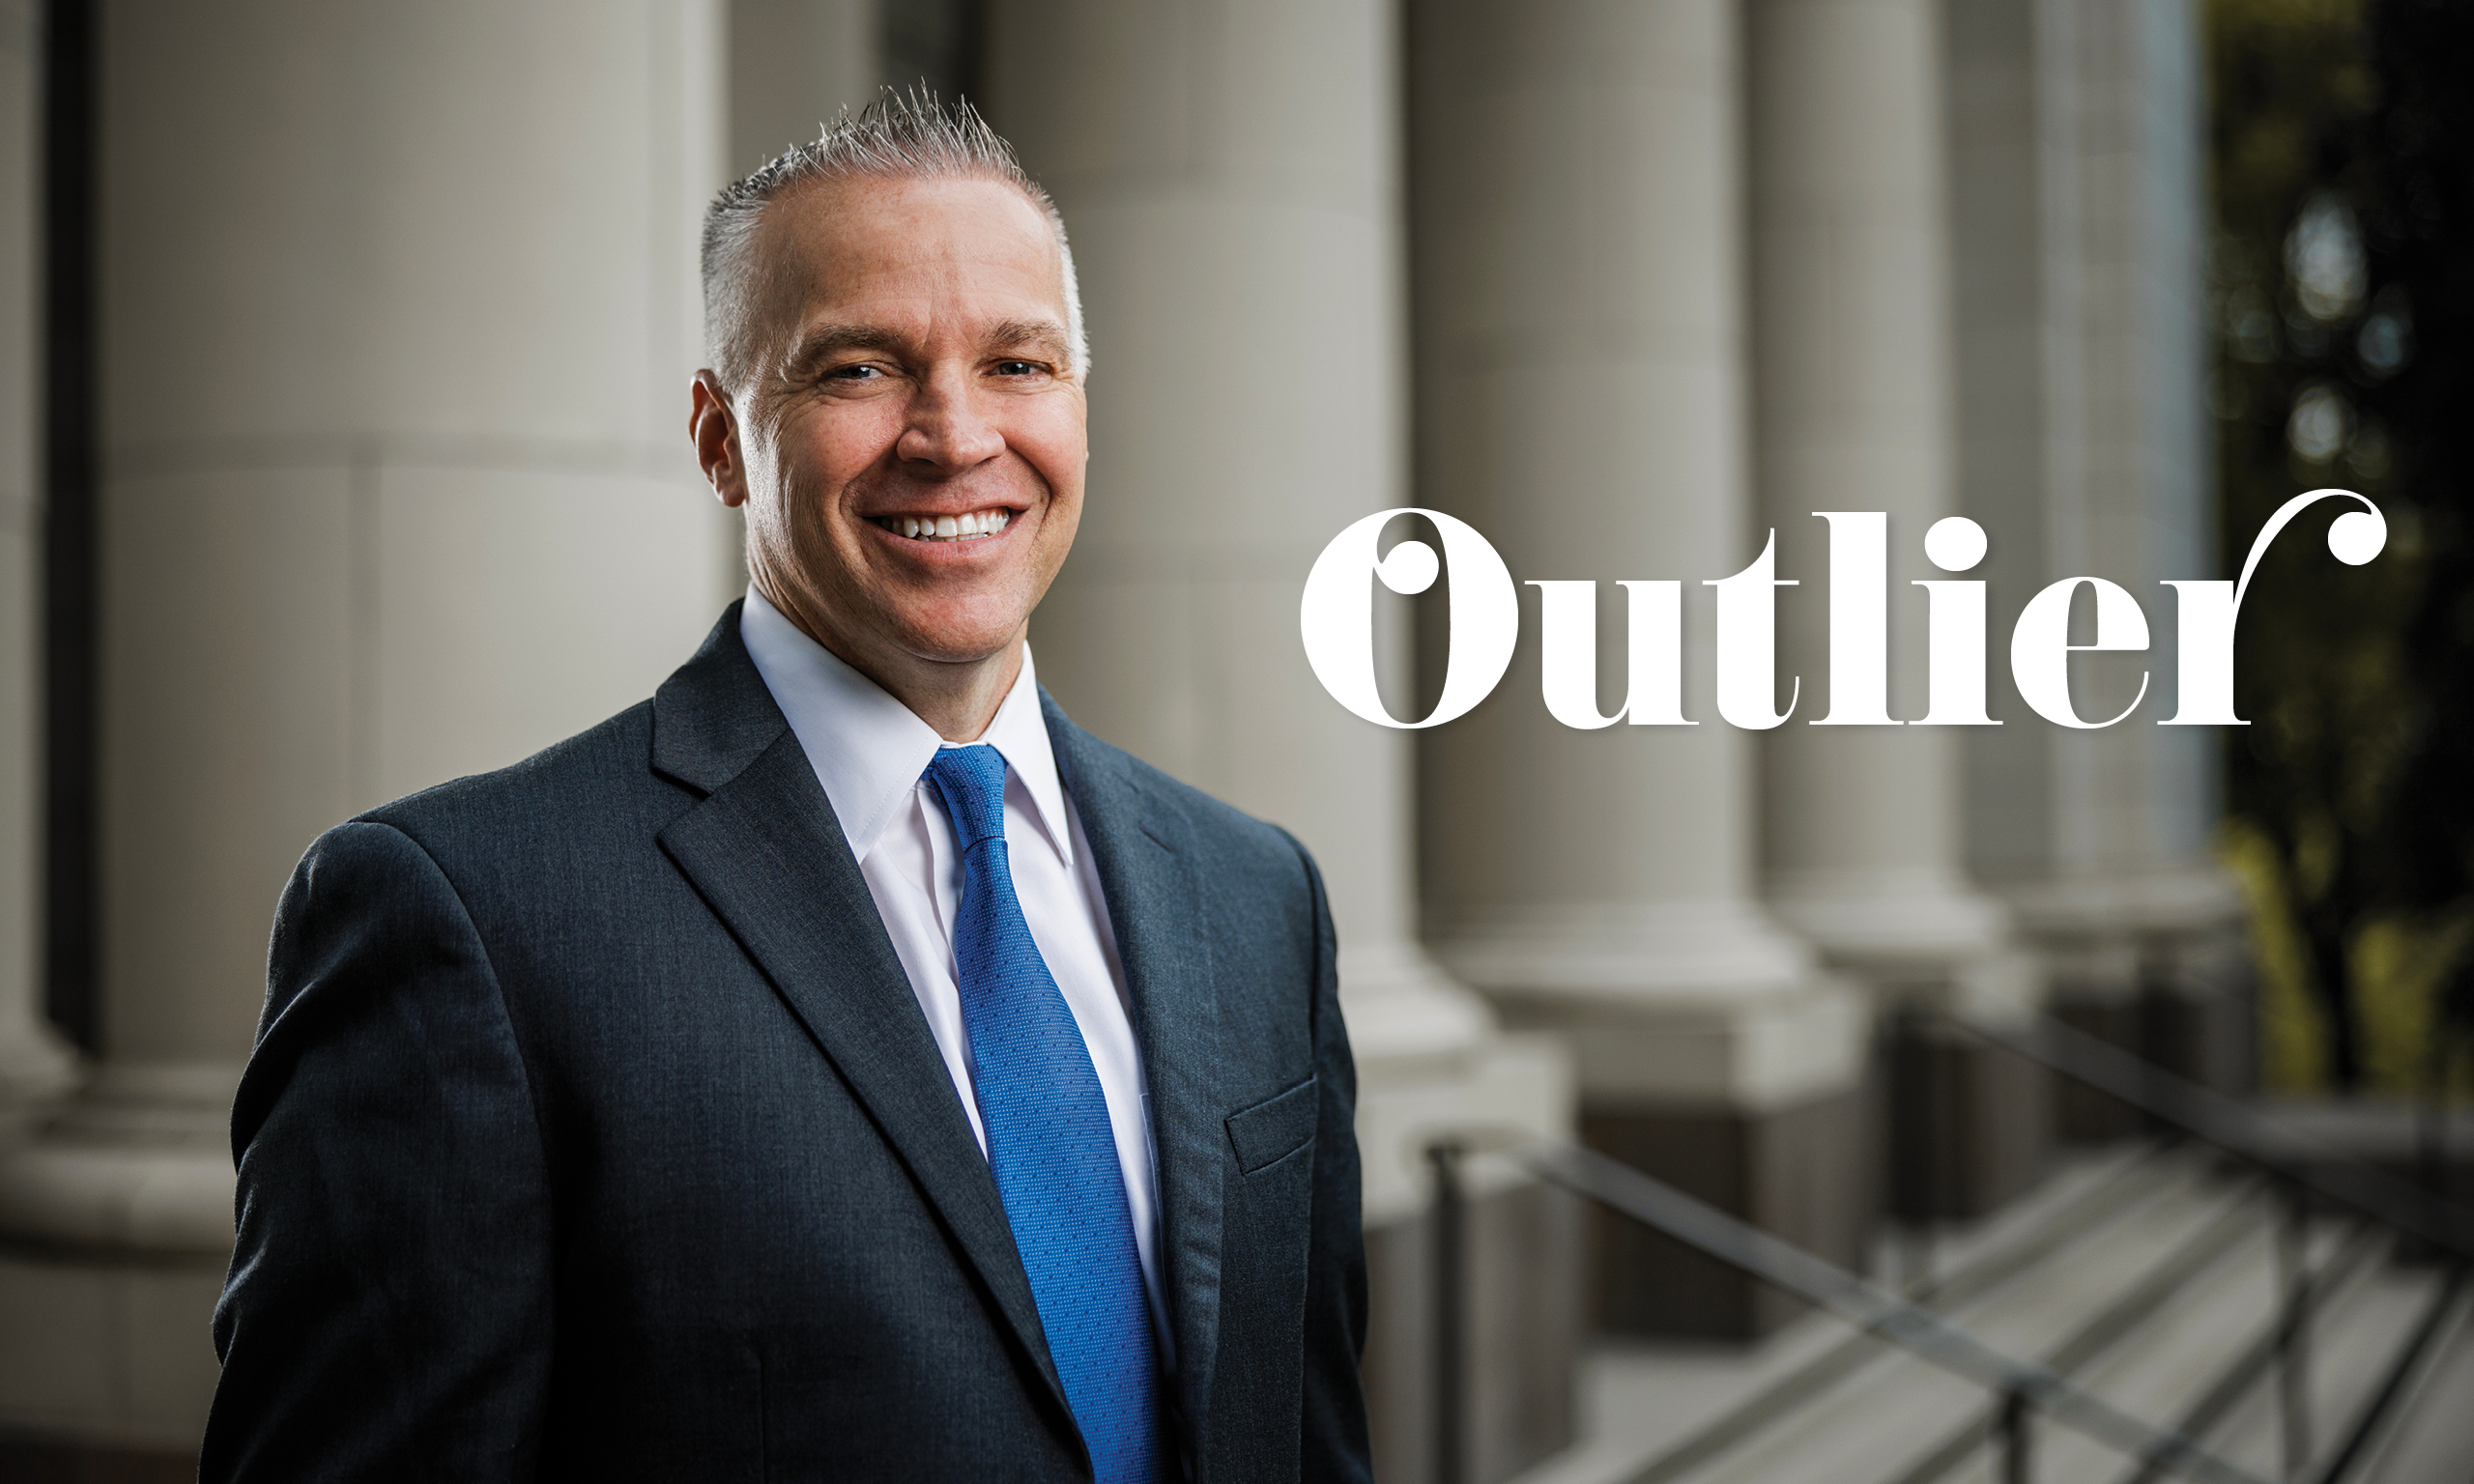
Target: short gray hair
<point>903,135</point>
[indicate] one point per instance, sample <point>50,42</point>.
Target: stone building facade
<point>393,311</point>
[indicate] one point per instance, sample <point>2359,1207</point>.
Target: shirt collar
<point>869,749</point>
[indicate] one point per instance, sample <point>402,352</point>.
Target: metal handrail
<point>2118,1192</point>
<point>2333,1176</point>
<point>2234,1128</point>
<point>2022,1386</point>
<point>2342,1268</point>
<point>2195,1252</point>
<point>2392,1384</point>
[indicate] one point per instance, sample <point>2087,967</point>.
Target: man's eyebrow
<point>823,342</point>
<point>1046,334</point>
<point>826,341</point>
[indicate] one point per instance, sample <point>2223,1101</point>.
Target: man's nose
<point>948,428</point>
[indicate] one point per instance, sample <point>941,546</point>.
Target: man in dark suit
<point>840,1066</point>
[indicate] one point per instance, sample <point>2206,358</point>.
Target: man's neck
<point>959,698</point>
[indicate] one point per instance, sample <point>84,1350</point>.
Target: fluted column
<point>398,306</point>
<point>1852,302</point>
<point>1863,810</point>
<point>34,1065</point>
<point>1581,383</point>
<point>795,65</point>
<point>2086,453</point>
<point>2131,479</point>
<point>1228,172</point>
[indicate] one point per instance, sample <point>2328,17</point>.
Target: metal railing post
<point>2294,1330</point>
<point>2026,1387</point>
<point>2016,1463</point>
<point>2402,1204</point>
<point>1451,1318</point>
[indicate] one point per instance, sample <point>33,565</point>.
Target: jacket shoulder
<point>594,775</point>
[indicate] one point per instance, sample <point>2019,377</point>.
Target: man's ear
<point>713,427</point>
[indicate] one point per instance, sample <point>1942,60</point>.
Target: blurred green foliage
<point>2343,296</point>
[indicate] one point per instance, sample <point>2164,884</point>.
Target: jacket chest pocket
<point>1275,1128</point>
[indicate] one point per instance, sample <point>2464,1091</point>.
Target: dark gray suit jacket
<point>594,1132</point>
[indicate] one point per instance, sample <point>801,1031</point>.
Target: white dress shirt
<point>870,751</point>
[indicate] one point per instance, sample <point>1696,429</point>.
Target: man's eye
<point>1020,368</point>
<point>855,373</point>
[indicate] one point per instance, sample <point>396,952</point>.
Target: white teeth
<point>951,527</point>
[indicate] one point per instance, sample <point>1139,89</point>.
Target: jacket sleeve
<point>1332,1441</point>
<point>388,1312</point>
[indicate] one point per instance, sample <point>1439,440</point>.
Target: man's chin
<point>961,644</point>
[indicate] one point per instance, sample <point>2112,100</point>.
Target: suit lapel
<point>765,852</point>
<point>1150,871</point>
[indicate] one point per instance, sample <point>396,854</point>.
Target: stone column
<point>398,304</point>
<point>1581,400</point>
<point>795,65</point>
<point>33,1064</point>
<point>2079,132</point>
<point>1864,819</point>
<point>1228,172</point>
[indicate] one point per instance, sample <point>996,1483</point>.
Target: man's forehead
<point>933,238</point>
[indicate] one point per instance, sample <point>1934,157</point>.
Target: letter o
<point>1335,618</point>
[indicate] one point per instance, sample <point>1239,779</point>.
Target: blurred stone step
<point>1903,1411</point>
<point>2183,1269</point>
<point>2433,1441</point>
<point>1642,1402</point>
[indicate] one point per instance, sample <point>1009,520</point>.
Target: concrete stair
<point>2141,1274</point>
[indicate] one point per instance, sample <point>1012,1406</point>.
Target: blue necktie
<point>1050,1142</point>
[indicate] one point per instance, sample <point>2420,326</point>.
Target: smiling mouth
<point>972,526</point>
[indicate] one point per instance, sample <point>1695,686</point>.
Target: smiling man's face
<point>912,441</point>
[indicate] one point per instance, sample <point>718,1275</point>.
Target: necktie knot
<point>971,781</point>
